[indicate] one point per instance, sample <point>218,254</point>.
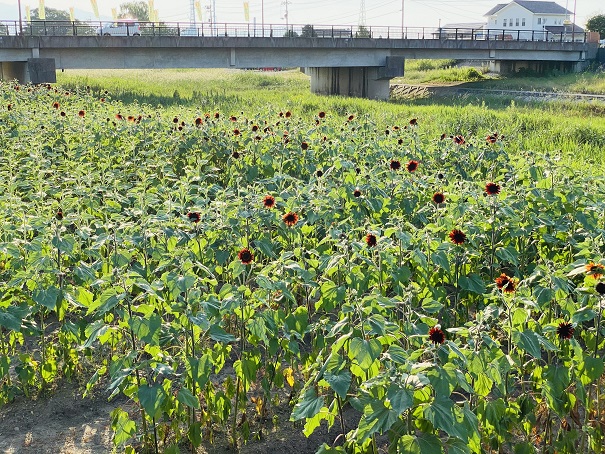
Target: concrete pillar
<point>11,70</point>
<point>361,82</point>
<point>34,70</point>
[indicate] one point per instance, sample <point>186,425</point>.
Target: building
<point>532,20</point>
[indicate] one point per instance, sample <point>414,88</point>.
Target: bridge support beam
<point>361,82</point>
<point>535,66</point>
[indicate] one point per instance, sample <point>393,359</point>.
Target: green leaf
<point>47,297</point>
<point>591,367</point>
<point>456,446</point>
<point>400,398</point>
<point>151,398</point>
<point>123,427</point>
<point>186,398</point>
<point>218,334</point>
<point>194,434</point>
<point>364,352</point>
<point>308,407</point>
<point>583,314</point>
<point>528,341</point>
<point>472,283</point>
<point>339,383</point>
<point>12,317</point>
<point>422,444</point>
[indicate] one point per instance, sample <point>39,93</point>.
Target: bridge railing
<point>186,29</point>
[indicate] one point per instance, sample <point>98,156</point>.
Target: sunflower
<point>55,105</point>
<point>194,216</point>
<point>600,288</point>
<point>457,236</point>
<point>459,140</point>
<point>357,192</point>
<point>321,114</point>
<point>413,122</point>
<point>245,256</point>
<point>565,330</point>
<point>438,198</point>
<point>412,166</point>
<point>436,336</point>
<point>81,114</point>
<point>395,165</point>
<point>269,201</point>
<point>371,240</point>
<point>290,218</point>
<point>506,284</point>
<point>595,270</point>
<point>304,145</point>
<point>492,189</point>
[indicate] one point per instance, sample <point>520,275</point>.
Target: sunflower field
<point>210,266</point>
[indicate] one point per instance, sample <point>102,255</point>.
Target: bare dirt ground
<point>66,423</point>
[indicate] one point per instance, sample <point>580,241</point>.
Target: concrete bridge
<point>346,64</point>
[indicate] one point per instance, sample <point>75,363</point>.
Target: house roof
<point>466,25</point>
<point>532,6</point>
<point>564,28</point>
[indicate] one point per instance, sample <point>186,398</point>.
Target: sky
<point>416,13</point>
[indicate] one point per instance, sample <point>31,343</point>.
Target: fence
<point>184,29</point>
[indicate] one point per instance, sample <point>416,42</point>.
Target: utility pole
<point>20,18</point>
<point>192,12</point>
<point>402,19</point>
<point>285,3</point>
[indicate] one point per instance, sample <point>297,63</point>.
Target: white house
<point>532,20</point>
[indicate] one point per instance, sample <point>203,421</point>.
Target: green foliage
<point>127,226</point>
<point>596,23</point>
<point>135,10</point>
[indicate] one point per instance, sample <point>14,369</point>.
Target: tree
<point>308,31</point>
<point>597,24</point>
<point>138,10</point>
<point>362,32</point>
<point>51,14</point>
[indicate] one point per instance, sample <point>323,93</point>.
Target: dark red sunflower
<point>198,121</point>
<point>412,166</point>
<point>351,117</point>
<point>371,240</point>
<point>457,236</point>
<point>459,140</point>
<point>319,173</point>
<point>288,114</point>
<point>565,330</point>
<point>506,284</point>
<point>436,336</point>
<point>492,138</point>
<point>217,115</point>
<point>194,216</point>
<point>304,145</point>
<point>438,198</point>
<point>290,218</point>
<point>81,114</point>
<point>175,120</point>
<point>321,114</point>
<point>600,288</point>
<point>357,192</point>
<point>55,105</point>
<point>595,270</point>
<point>413,121</point>
<point>59,215</point>
<point>443,136</point>
<point>245,256</point>
<point>236,132</point>
<point>269,201</point>
<point>492,188</point>
<point>233,118</point>
<point>395,165</point>
<point>235,155</point>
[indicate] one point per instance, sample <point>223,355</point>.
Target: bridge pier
<point>10,70</point>
<point>535,66</point>
<point>34,70</point>
<point>362,82</point>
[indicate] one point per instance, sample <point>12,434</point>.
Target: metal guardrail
<point>184,29</point>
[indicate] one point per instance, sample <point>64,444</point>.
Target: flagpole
<point>20,18</point>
